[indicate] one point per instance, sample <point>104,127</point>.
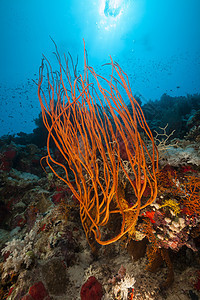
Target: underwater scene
<point>100,150</point>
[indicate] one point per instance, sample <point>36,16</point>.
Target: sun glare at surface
<point>110,12</point>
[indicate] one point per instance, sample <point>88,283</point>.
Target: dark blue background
<point>157,42</point>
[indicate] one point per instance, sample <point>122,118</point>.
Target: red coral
<point>10,154</point>
<point>6,159</point>
<point>10,291</point>
<point>91,289</point>
<point>38,291</point>
<point>58,197</point>
<point>150,215</point>
<point>63,189</point>
<point>188,169</point>
<point>186,211</point>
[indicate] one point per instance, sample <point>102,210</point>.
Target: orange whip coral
<point>88,120</point>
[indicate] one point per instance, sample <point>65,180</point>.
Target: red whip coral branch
<point>86,117</point>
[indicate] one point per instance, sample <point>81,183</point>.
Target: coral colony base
<point>115,215</point>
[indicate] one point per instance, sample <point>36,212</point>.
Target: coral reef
<point>54,259</point>
<point>180,113</point>
<point>45,254</point>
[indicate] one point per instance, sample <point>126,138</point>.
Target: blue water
<point>157,43</point>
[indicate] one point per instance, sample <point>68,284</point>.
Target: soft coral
<point>91,289</point>
<point>6,158</point>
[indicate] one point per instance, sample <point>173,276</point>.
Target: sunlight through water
<point>111,11</point>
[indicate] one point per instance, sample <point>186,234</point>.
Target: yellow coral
<point>173,205</point>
